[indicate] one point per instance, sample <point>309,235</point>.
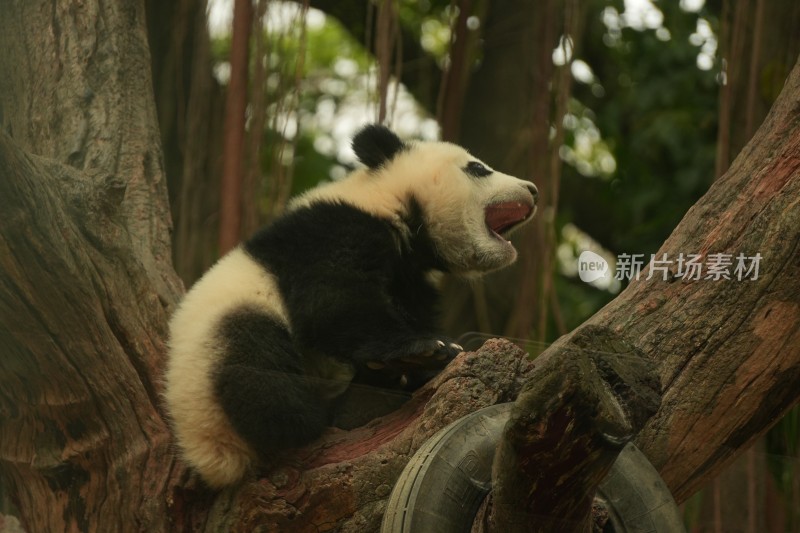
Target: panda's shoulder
<point>326,219</point>
<point>325,228</point>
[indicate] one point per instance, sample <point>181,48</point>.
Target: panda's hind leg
<point>262,387</point>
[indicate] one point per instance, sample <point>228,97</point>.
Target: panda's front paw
<point>443,350</point>
<point>425,353</point>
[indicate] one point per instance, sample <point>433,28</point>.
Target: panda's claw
<point>446,350</point>
<point>430,353</point>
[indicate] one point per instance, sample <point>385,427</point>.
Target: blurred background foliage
<point>622,112</point>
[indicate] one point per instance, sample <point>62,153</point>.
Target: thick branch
<point>583,404</point>
<point>728,351</point>
<point>341,483</point>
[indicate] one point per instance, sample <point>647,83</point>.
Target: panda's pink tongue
<point>500,217</point>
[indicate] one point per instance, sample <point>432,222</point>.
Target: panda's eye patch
<point>477,170</point>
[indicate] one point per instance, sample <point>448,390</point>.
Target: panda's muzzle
<point>502,217</point>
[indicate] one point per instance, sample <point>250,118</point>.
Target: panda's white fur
<point>454,214</point>
<point>201,428</point>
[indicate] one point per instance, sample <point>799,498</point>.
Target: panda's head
<point>465,208</point>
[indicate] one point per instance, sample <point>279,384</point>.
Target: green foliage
<point>326,45</point>
<point>430,22</point>
<point>658,114</point>
<point>578,301</point>
<point>310,166</point>
<point>304,104</point>
<point>655,111</point>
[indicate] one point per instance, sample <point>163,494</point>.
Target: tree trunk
<point>86,287</point>
<point>728,351</point>
<point>759,43</point>
<point>230,194</point>
<point>86,282</point>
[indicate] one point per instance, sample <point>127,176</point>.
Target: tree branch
<point>342,481</point>
<point>584,402</point>
<point>728,351</point>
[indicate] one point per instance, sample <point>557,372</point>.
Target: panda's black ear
<point>376,145</point>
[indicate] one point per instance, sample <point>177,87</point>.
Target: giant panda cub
<point>339,289</point>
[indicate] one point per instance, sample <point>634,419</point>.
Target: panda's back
<point>308,243</point>
<point>340,254</point>
<point>285,261</point>
<point>235,281</point>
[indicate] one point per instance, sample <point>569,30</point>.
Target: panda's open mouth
<point>503,217</point>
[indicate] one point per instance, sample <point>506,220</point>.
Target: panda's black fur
<point>375,145</point>
<point>342,320</point>
<point>329,294</point>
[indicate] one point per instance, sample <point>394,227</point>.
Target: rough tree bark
<point>759,43</point>
<point>86,286</point>
<point>86,281</point>
<point>728,351</point>
<point>571,420</point>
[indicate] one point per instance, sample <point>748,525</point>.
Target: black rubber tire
<point>445,482</point>
<point>637,498</point>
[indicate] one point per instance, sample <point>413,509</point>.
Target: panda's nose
<point>534,192</point>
